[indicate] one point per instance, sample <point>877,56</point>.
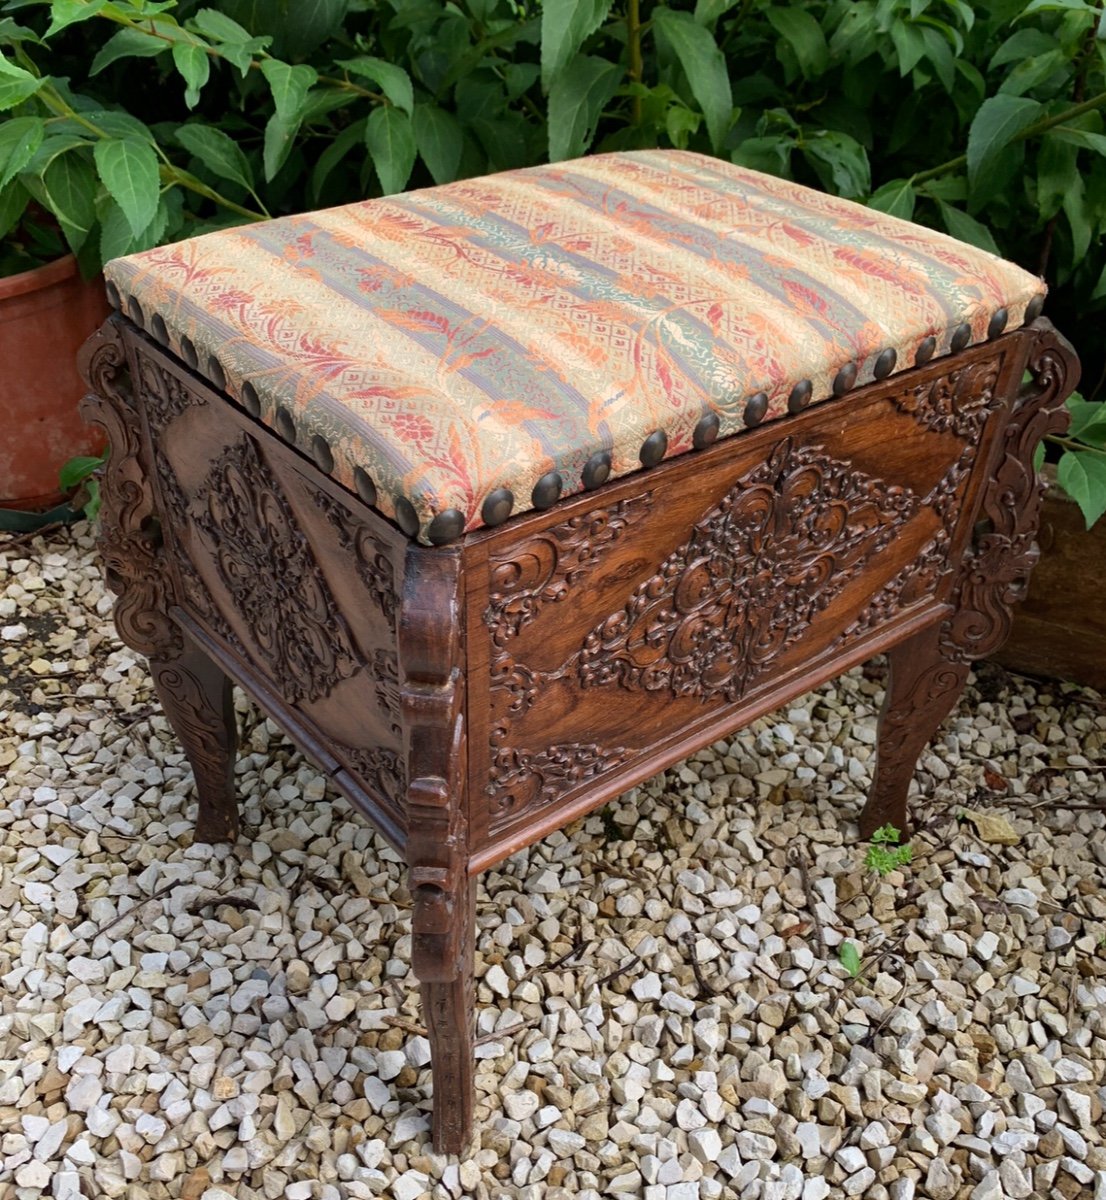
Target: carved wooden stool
<point>503,496</point>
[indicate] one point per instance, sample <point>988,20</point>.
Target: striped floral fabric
<point>447,351</point>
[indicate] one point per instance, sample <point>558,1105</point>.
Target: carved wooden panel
<point>281,572</point>
<point>613,628</point>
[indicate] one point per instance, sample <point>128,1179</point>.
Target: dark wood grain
<point>471,698</point>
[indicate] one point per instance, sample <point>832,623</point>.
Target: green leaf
<point>770,154</point>
<point>127,43</point>
<point>1026,43</point>
<point>218,26</point>
<point>69,186</point>
<point>69,12</point>
<point>1039,456</point>
<point>289,85</point>
<point>296,27</point>
<point>896,198</point>
<point>576,102</point>
<point>13,200</point>
<point>439,139</point>
<point>841,163</point>
<point>997,123</point>
<point>849,957</point>
<point>1083,138</point>
<point>20,138</point>
<point>967,228</point>
<point>1057,6</point>
<point>804,35</point>
<point>129,171</point>
<point>280,137</point>
<point>16,85</point>
<point>78,469</point>
<point>391,142</point>
<point>1081,219</point>
<point>565,26</point>
<point>218,151</point>
<point>352,135</point>
<point>909,46</point>
<point>1057,172</point>
<point>392,80</point>
<point>704,65</point>
<point>1082,474</point>
<point>1032,72</point>
<point>192,62</point>
<point>707,12</point>
<point>1088,421</point>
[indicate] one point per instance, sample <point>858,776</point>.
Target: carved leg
<point>197,698</point>
<point>447,1005</point>
<point>923,686</point>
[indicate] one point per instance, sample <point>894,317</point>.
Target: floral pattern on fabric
<point>475,336</point>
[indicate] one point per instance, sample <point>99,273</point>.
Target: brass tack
<point>497,507</point>
<point>158,329</point>
<point>188,352</point>
<point>885,364</point>
<point>653,448</point>
<point>321,453</point>
<point>597,469</point>
<point>800,396</point>
<point>362,481</point>
<point>406,517</point>
<point>844,379</point>
<point>112,294</point>
<point>134,311</point>
<point>706,431</point>
<point>250,399</point>
<point>445,527</point>
<point>961,336</point>
<point>216,374</point>
<point>286,425</point>
<point>755,409</point>
<point>1034,308</point>
<point>926,351</point>
<point>547,491</point>
<point>997,323</point>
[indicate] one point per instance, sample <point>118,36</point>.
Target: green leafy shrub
<point>885,854</point>
<point>139,121</point>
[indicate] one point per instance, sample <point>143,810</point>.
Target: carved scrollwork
<point>526,781</point>
<point>130,535</point>
<point>381,771</point>
<point>544,571</point>
<point>756,570</point>
<point>997,565</point>
<point>165,397</point>
<point>374,566</point>
<point>273,579</point>
<point>958,402</point>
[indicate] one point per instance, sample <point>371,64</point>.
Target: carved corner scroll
<point>130,534</point>
<point>431,683</point>
<point>996,567</point>
<point>552,563</point>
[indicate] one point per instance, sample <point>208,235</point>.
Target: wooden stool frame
<point>471,698</point>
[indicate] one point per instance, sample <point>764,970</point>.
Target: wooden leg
<point>447,1006</point>
<point>198,701</point>
<point>923,686</point>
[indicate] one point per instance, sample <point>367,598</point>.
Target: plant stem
<point>633,50</point>
<point>172,175</point>
<point>1071,444</point>
<point>1030,131</point>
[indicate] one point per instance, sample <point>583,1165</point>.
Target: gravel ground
<point>662,1008</point>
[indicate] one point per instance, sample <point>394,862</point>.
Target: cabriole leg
<point>198,702</point>
<point>923,686</point>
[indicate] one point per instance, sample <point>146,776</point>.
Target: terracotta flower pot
<point>45,315</point>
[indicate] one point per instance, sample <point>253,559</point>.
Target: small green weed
<point>885,854</point>
<point>849,957</point>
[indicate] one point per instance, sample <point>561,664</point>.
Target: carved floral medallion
<point>275,584</point>
<point>755,572</point>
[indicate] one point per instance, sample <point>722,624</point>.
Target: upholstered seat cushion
<point>465,353</point>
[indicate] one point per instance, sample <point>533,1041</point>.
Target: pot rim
<point>38,278</point>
